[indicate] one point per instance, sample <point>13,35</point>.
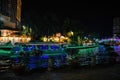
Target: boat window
<point>54,47</point>
<point>26,48</point>
<point>16,49</point>
<point>43,47</point>
<point>30,47</point>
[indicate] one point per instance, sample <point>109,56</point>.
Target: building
<point>10,13</point>
<point>116,27</point>
<point>10,19</point>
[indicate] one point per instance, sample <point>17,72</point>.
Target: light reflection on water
<point>117,49</point>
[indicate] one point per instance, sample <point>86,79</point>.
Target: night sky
<point>95,17</point>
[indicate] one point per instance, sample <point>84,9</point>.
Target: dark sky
<point>95,16</point>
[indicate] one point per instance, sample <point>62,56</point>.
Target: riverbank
<point>103,72</point>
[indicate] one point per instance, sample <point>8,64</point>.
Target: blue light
<point>26,49</point>
<point>16,60</point>
<point>43,47</point>
<point>33,46</point>
<point>45,56</point>
<point>31,66</point>
<point>54,47</point>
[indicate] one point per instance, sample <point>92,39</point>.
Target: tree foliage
<point>51,23</point>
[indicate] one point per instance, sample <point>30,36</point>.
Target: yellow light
<point>66,38</point>
<point>44,39</point>
<point>56,39</point>
<point>70,33</point>
<point>90,41</point>
<point>58,34</point>
<point>62,37</point>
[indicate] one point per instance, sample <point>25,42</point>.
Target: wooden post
<point>93,60</point>
<point>50,63</point>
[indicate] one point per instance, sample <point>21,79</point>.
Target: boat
<point>83,54</point>
<point>5,60</point>
<point>36,55</point>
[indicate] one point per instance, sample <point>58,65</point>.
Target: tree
<point>66,25</point>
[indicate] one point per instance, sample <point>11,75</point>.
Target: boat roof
<point>43,43</point>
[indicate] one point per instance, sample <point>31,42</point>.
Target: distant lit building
<point>10,18</point>
<point>10,13</point>
<point>116,27</point>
